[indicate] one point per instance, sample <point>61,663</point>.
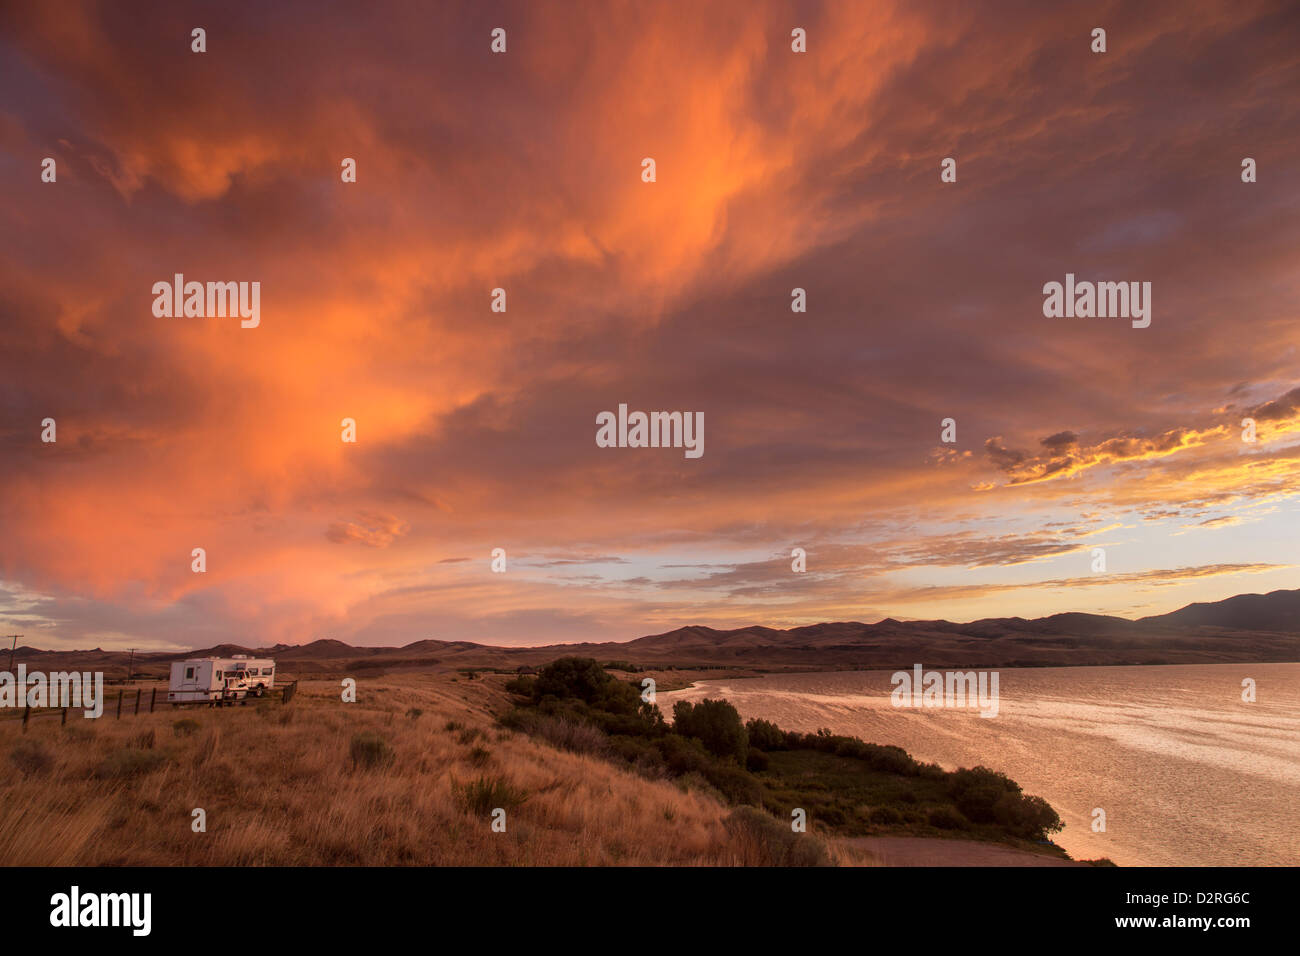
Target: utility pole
<point>11,650</point>
<point>129,661</point>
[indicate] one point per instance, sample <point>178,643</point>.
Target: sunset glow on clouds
<point>475,429</point>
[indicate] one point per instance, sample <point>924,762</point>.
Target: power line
<point>16,636</point>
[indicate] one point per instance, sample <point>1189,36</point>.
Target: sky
<point>523,171</point>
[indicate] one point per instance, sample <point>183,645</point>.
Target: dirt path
<point>919,851</point>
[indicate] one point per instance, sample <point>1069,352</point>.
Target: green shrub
<point>986,796</point>
<point>930,771</point>
<point>695,783</point>
<point>1030,817</point>
<point>575,704</point>
<point>764,734</point>
<point>185,727</point>
<point>682,756</point>
<point>580,689</point>
<point>946,818</point>
<point>620,666</point>
<point>369,751</point>
<point>736,784</point>
<point>522,685</point>
<point>832,815</point>
<point>716,724</point>
<point>886,816</point>
<point>580,677</point>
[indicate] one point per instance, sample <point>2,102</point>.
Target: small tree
<point>580,677</point>
<point>716,724</point>
<point>765,735</point>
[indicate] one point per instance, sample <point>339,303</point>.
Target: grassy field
<point>407,775</point>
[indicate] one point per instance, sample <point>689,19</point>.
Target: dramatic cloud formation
<point>522,171</point>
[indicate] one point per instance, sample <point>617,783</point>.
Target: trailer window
<point>189,673</point>
<point>218,675</point>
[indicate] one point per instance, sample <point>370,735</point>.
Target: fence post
<point>153,696</point>
<point>138,692</point>
<point>119,705</point>
<point>27,714</point>
<point>65,717</point>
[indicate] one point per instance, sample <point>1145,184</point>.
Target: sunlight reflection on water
<point>1187,773</point>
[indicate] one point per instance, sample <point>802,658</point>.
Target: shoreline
<point>1134,741</point>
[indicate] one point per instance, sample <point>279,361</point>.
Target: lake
<point>1187,772</point>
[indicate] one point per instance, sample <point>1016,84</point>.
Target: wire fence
<point>132,707</point>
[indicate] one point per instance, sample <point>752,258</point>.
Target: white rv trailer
<point>220,679</point>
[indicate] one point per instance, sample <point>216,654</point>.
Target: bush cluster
<point>576,704</point>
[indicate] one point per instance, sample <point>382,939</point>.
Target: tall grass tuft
<point>31,758</point>
<point>129,763</point>
<point>486,794</point>
<point>208,748</point>
<point>370,751</point>
<point>762,840</point>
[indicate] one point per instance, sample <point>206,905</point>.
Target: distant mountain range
<point>1275,611</point>
<point>1248,627</point>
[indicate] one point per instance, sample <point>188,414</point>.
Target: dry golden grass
<point>279,788</point>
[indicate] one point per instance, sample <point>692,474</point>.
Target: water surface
<point>1187,772</point>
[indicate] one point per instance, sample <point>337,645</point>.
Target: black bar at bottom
<point>960,906</point>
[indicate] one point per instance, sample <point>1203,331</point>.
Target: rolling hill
<point>1248,627</point>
